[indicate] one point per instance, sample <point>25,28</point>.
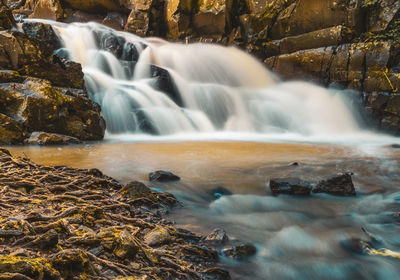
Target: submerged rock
<point>240,251</point>
<point>220,191</point>
<point>341,184</point>
<point>44,138</point>
<point>163,176</point>
<point>289,186</point>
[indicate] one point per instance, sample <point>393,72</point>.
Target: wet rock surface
<point>62,223</point>
<point>350,43</point>
<point>240,251</point>
<point>290,186</point>
<point>163,176</point>
<point>338,185</point>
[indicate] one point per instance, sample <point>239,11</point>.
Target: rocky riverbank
<point>64,223</point>
<point>41,93</point>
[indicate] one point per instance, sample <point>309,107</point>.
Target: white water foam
<point>218,93</point>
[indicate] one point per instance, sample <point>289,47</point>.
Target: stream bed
<point>296,237</point>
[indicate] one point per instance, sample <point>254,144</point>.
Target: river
<point>296,237</point>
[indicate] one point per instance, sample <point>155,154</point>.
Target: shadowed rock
<point>163,176</point>
<point>338,185</point>
<point>289,186</point>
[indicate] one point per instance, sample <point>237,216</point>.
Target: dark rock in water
<point>218,236</point>
<point>289,186</point>
<point>396,146</point>
<point>220,191</point>
<point>42,32</point>
<point>240,251</point>
<point>295,163</point>
<point>341,184</point>
<point>163,176</point>
<point>45,138</point>
<point>110,42</point>
<point>165,84</point>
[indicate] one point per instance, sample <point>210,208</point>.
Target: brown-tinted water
<point>296,237</point>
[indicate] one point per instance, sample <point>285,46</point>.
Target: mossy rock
<point>36,268</point>
<point>11,131</point>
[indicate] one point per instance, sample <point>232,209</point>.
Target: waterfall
<point>150,86</point>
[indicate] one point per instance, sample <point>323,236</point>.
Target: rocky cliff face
<point>38,90</point>
<point>352,43</point>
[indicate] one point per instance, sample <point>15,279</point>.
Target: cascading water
<point>149,86</point>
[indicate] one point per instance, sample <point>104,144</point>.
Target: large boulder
<point>42,32</point>
<point>138,22</point>
<point>304,16</point>
<point>341,184</point>
<point>48,9</point>
<point>289,186</point>
<point>384,109</point>
<point>178,18</point>
<point>39,106</point>
<point>369,67</point>
<point>210,20</point>
<point>34,57</point>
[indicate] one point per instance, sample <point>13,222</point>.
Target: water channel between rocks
<point>296,237</point>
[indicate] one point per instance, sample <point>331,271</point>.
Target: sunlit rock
<point>308,15</point>
<point>48,9</point>
<point>42,107</point>
<point>138,22</point>
<point>210,20</point>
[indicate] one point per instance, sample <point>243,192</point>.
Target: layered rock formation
<point>40,91</point>
<point>352,43</point>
